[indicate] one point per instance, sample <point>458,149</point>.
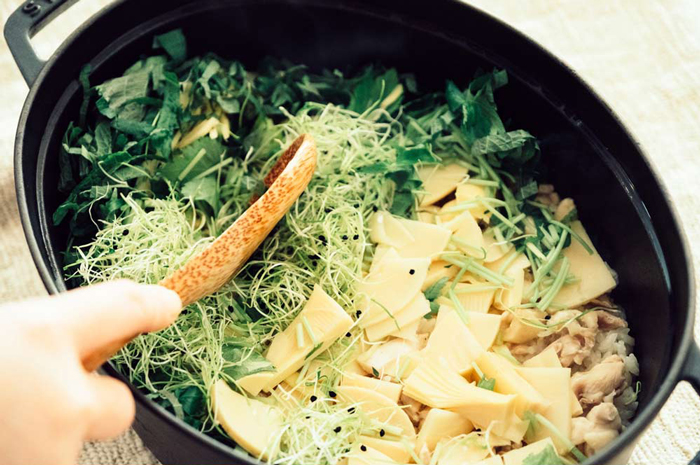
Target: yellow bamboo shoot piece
<point>548,358</point>
<point>519,331</point>
<point>391,358</point>
<point>440,424</point>
<point>468,449</point>
<point>383,252</point>
<point>467,233</point>
<point>363,454</point>
<point>469,193</point>
<point>378,407</point>
<point>555,385</point>
<point>495,460</point>
<point>439,269</point>
<point>408,332</point>
<point>386,388</point>
<point>452,343</point>
<point>495,249</point>
<point>428,239</point>
<point>518,456</point>
<point>200,130</point>
<point>594,275</point>
<point>249,422</point>
<point>256,382</point>
<point>325,319</point>
<point>439,387</point>
<point>508,381</point>
<point>416,309</point>
<point>427,214</point>
<point>443,216</point>
<point>390,287</point>
<point>510,297</point>
<point>473,299</point>
<point>484,327</point>
<point>439,181</point>
<point>411,239</point>
<point>395,450</point>
<point>386,229</point>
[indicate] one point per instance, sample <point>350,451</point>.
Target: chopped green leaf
<point>173,43</point>
<point>204,189</point>
<point>241,361</point>
<point>547,456</point>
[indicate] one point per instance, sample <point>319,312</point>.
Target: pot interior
<point>587,154</point>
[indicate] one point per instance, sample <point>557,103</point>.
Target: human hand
<point>49,403</point>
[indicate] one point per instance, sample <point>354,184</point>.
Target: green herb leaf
<point>187,163</point>
<point>242,361</point>
<point>435,289</point>
<point>503,142</point>
<point>173,43</point>
<point>547,456</point>
<point>204,189</point>
<point>372,89</point>
<point>118,95</point>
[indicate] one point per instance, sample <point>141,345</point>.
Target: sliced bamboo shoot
<point>439,181</point>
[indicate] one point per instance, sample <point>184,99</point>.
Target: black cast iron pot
<point>590,155</point>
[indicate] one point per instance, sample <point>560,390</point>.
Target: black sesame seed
<point>125,232</point>
<point>381,433</point>
<point>357,205</point>
<point>337,430</point>
<point>322,238</point>
<point>332,394</point>
<point>355,237</point>
<point>307,417</point>
<point>328,210</point>
<point>348,335</point>
<point>345,237</point>
<point>351,410</point>
<point>313,398</point>
<point>547,317</point>
<point>411,271</point>
<point>374,208</point>
<point>363,448</point>
<point>358,313</point>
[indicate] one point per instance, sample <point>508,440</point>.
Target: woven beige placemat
<point>642,56</point>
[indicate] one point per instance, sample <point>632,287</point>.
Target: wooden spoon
<point>206,272</point>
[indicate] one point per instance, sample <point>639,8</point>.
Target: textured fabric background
<point>642,56</point>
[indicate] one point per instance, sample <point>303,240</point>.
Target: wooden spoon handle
<point>216,265</point>
<point>206,272</point>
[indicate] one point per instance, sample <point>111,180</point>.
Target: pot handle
<point>22,25</point>
<point>691,373</point>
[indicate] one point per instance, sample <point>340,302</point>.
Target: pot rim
<point>643,417</point>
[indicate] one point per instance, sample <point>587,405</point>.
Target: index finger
<point>98,316</point>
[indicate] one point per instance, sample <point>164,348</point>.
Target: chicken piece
<point>597,429</point>
<point>592,386</point>
<point>603,301</point>
<point>607,321</point>
<point>573,349</point>
<point>546,195</point>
